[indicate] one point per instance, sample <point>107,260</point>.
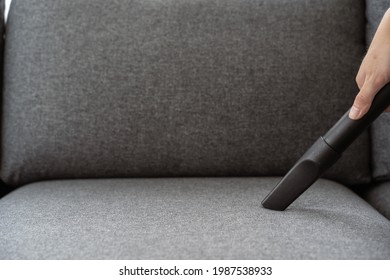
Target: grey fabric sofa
<point>153,130</point>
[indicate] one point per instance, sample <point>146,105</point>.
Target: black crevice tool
<point>323,154</point>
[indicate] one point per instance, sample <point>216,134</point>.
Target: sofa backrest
<point>380,130</point>
<point>96,88</point>
<point>2,28</point>
<point>2,9</point>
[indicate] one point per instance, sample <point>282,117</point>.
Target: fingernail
<point>354,113</point>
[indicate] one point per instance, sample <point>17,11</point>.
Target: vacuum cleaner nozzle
<point>323,154</point>
<point>301,176</point>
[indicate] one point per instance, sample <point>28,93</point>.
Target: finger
<point>363,100</point>
<point>388,109</point>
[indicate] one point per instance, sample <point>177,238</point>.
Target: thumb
<point>363,101</point>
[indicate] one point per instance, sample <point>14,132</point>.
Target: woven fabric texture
<point>97,88</point>
<point>378,196</point>
<point>3,189</point>
<point>187,218</point>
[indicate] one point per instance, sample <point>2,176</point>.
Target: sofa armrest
<point>378,195</point>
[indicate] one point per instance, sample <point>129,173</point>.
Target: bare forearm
<point>374,71</point>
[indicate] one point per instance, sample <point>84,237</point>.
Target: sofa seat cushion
<point>187,218</point>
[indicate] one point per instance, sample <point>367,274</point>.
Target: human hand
<point>374,71</point>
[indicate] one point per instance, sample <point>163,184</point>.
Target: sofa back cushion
<point>2,9</point>
<point>97,88</point>
<point>380,130</point>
